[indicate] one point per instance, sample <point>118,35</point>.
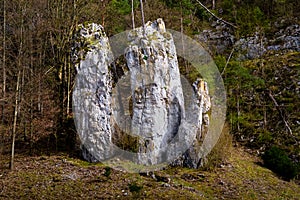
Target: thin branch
<point>220,19</point>
<point>49,70</point>
<point>280,112</point>
<point>228,59</point>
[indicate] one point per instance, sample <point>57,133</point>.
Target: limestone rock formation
<point>166,127</point>
<point>158,104</point>
<point>193,158</point>
<point>220,38</point>
<point>92,92</point>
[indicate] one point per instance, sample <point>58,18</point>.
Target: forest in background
<point>37,75</point>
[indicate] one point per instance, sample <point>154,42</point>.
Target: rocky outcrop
<point>218,39</point>
<point>166,129</point>
<point>287,39</point>
<point>251,47</point>
<point>158,104</point>
<point>92,92</point>
<point>221,38</point>
<point>198,115</point>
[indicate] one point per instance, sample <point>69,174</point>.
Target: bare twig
<point>49,70</point>
<point>228,23</point>
<point>280,112</point>
<point>228,59</point>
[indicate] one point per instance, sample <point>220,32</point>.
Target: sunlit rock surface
<point>199,110</point>
<point>167,127</point>
<point>158,104</point>
<point>92,92</point>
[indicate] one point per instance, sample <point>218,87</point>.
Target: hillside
<point>60,176</point>
<point>257,52</point>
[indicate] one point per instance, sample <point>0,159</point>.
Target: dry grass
<point>63,177</point>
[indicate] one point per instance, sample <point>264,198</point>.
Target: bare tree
<point>15,122</point>
<point>4,78</point>
<point>20,76</point>
<point>4,60</point>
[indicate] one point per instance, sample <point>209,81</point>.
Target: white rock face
<point>193,158</point>
<point>158,104</point>
<point>92,92</point>
<point>160,117</point>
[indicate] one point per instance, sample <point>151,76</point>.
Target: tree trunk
<point>238,109</point>
<point>21,100</point>
<point>17,93</point>
<point>68,87</point>
<point>143,17</point>
<point>183,47</point>
<point>4,62</point>
<point>15,123</point>
<point>132,15</point>
<point>4,78</point>
<point>265,116</point>
<point>31,98</point>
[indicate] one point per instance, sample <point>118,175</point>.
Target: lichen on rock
<point>89,37</point>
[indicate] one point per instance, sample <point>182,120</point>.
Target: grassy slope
<point>62,177</point>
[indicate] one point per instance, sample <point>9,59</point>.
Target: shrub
<point>278,161</point>
<point>107,172</point>
<point>135,188</point>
